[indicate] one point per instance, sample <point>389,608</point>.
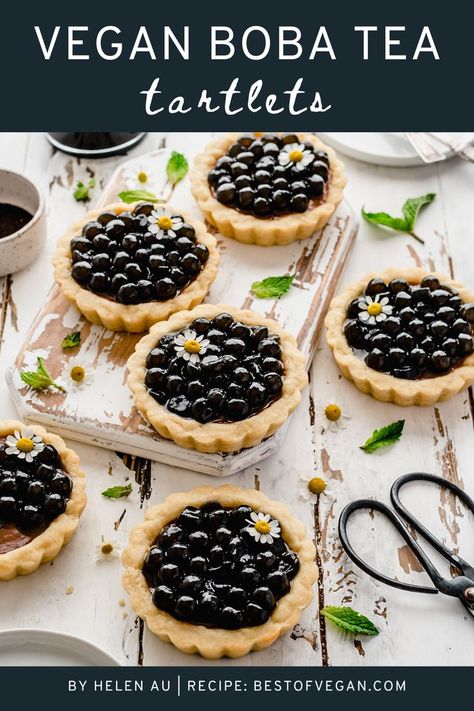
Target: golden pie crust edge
<point>383,386</point>
<point>271,231</point>
<point>45,547</point>
<point>215,436</point>
<point>214,643</point>
<point>134,318</point>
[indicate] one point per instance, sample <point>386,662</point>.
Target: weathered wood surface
<point>415,630</point>
<point>110,418</point>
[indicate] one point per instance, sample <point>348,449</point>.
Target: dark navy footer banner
<point>211,688</point>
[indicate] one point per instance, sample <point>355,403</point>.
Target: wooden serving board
<point>103,413</point>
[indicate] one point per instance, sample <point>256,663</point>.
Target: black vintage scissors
<point>461,586</point>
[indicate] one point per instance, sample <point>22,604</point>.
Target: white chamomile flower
<point>139,177</point>
<point>263,527</point>
<point>374,309</point>
<point>78,372</point>
<point>296,154</point>
<point>310,487</point>
<point>190,346</point>
<point>162,222</point>
<point>336,419</point>
<point>24,444</point>
<point>107,550</point>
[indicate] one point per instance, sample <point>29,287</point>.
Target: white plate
<point>391,149</point>
<point>43,648</point>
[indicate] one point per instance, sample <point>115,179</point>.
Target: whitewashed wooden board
<point>106,416</point>
<point>415,630</point>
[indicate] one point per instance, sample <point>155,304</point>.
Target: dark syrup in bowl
<point>12,219</point>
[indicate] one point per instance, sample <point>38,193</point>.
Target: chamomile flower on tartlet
<point>163,223</point>
<point>24,444</point>
<point>374,309</point>
<point>190,346</point>
<point>263,527</point>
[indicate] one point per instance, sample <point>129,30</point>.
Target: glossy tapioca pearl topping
<point>411,330</point>
<point>216,370</point>
<point>220,567</point>
<point>34,488</point>
<point>149,254</point>
<point>270,175</point>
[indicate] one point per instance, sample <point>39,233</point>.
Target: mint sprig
<point>130,196</point>
<point>349,620</point>
<point>72,340</point>
<point>176,168</point>
<point>81,193</point>
<point>272,287</point>
<point>117,492</point>
<point>40,379</point>
<point>410,209</point>
<point>389,434</point>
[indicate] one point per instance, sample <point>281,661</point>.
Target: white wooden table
<point>80,596</point>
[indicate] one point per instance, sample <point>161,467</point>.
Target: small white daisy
<point>139,177</point>
<point>190,346</point>
<point>373,310</point>
<point>336,419</point>
<point>162,222</point>
<point>297,154</point>
<point>78,372</point>
<point>24,444</point>
<point>263,527</point>
<point>107,550</point>
<point>310,487</point>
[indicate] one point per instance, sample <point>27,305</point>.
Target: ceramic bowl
<point>21,248</point>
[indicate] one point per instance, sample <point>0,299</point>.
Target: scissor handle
<point>456,560</point>
<point>362,504</point>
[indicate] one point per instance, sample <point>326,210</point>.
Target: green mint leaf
<point>72,340</point>
<point>272,287</point>
<point>117,492</point>
<point>81,193</point>
<point>130,196</point>
<point>349,620</point>
<point>389,434</point>
<point>383,218</point>
<point>176,168</point>
<point>40,379</point>
<point>412,207</point>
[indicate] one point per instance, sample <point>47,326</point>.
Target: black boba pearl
<point>215,398</point>
<point>202,410</point>
<point>354,308</point>
<point>190,585</point>
<point>416,327</point>
<point>382,341</point>
<point>80,244</point>
<point>165,289</point>
<point>421,293</point>
<point>154,558</point>
<point>376,359</point>
<point>431,282</point>
<point>91,229</point>
<point>405,341</point>
<point>255,615</point>
<point>208,605</point>
<point>243,181</point>
<point>156,358</point>
<point>184,245</point>
<point>269,347</point>
<point>280,184</point>
<point>278,583</point>
<point>118,281</point>
<point>120,260</point>
<point>271,365</point>
<point>101,243</point>
<point>223,535</point>
<point>375,286</point>
<point>187,230</point>
<point>398,285</point>
<point>261,207</point>
<point>175,384</point>
<point>321,168</point>
<point>455,302</point>
<point>115,228</point>
<point>438,329</point>
<point>428,344</point>
<point>215,335</point>
<point>467,312</point>
<point>224,162</point>
<point>299,186</point>
<point>234,391</point>
<point>418,358</point>
<point>216,556</point>
<point>407,314</point>
<point>264,597</point>
<point>237,409</point>
<point>128,219</point>
<point>273,383</point>
<point>54,505</point>
<point>8,486</point>
<point>214,175</point>
<point>466,344</point>
<point>281,199</point>
<point>440,361</point>
<point>180,405</point>
<point>408,372</point>
<point>265,561</point>
<point>163,597</point>
<point>402,300</point>
<point>61,484</point>
<point>238,168</point>
<point>460,326</point>
<point>145,208</point>
<point>240,330</point>
<point>230,618</point>
<point>81,272</point>
<point>169,574</point>
<point>450,346</point>
<point>195,389</point>
<point>440,296</point>
<point>128,293</point>
<point>201,326</point>
<point>36,490</point>
<point>185,607</point>
<point>246,197</point>
<point>8,508</point>
<point>130,243</point>
<point>49,455</point>
<point>316,185</point>
<point>446,313</point>
<point>249,578</point>
<point>198,540</point>
<point>170,534</point>
<point>234,346</point>
<point>246,157</point>
<point>30,516</point>
<point>142,257</point>
<point>198,565</point>
<point>201,252</point>
<point>133,271</point>
<point>397,357</point>
<point>262,176</point>
<point>265,191</point>
<point>237,597</point>
<point>299,202</point>
<point>99,282</point>
<point>290,564</point>
<point>271,149</point>
<point>242,376</point>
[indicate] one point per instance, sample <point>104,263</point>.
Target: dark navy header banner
<point>205,65</point>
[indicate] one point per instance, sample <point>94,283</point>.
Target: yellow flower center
<point>374,308</point>
<point>78,373</point>
<point>142,177</point>
<point>164,222</point>
<point>262,527</point>
<point>316,485</point>
<point>107,548</point>
<point>25,444</point>
<point>192,346</point>
<point>333,412</point>
<point>296,156</point>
